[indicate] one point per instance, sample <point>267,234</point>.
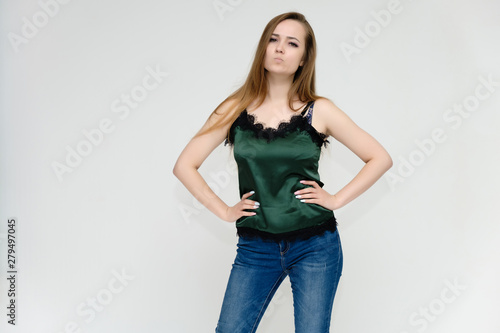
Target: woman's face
<point>286,48</point>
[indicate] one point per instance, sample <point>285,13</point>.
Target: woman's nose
<point>279,48</point>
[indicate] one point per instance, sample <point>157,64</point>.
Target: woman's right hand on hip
<point>235,212</point>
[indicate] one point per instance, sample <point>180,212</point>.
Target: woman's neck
<point>278,88</point>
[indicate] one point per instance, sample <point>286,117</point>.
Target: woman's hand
<point>317,195</point>
<point>235,212</point>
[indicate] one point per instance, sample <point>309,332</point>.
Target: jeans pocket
<point>329,242</point>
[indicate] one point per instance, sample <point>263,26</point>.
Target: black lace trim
<point>247,121</point>
<point>301,234</point>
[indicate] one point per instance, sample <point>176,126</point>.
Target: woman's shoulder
<point>323,103</point>
<point>327,114</point>
<point>226,108</point>
<point>324,107</point>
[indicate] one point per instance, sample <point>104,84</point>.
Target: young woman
<point>284,219</point>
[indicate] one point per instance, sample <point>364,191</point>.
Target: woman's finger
<point>251,205</point>
<point>246,195</point>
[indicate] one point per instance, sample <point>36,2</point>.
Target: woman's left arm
<point>343,129</point>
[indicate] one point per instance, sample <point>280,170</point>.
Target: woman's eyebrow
<point>289,37</point>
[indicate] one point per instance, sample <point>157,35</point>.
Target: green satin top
<point>272,162</point>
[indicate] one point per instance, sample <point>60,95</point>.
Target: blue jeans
<point>314,267</point>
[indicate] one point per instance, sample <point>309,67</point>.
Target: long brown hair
<point>256,85</point>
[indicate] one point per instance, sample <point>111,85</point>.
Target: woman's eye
<point>291,43</point>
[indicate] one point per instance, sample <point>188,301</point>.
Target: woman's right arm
<point>191,158</point>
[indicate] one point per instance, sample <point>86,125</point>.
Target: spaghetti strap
<point>309,113</point>
<point>306,108</point>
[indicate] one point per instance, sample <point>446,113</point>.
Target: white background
<point>120,211</point>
